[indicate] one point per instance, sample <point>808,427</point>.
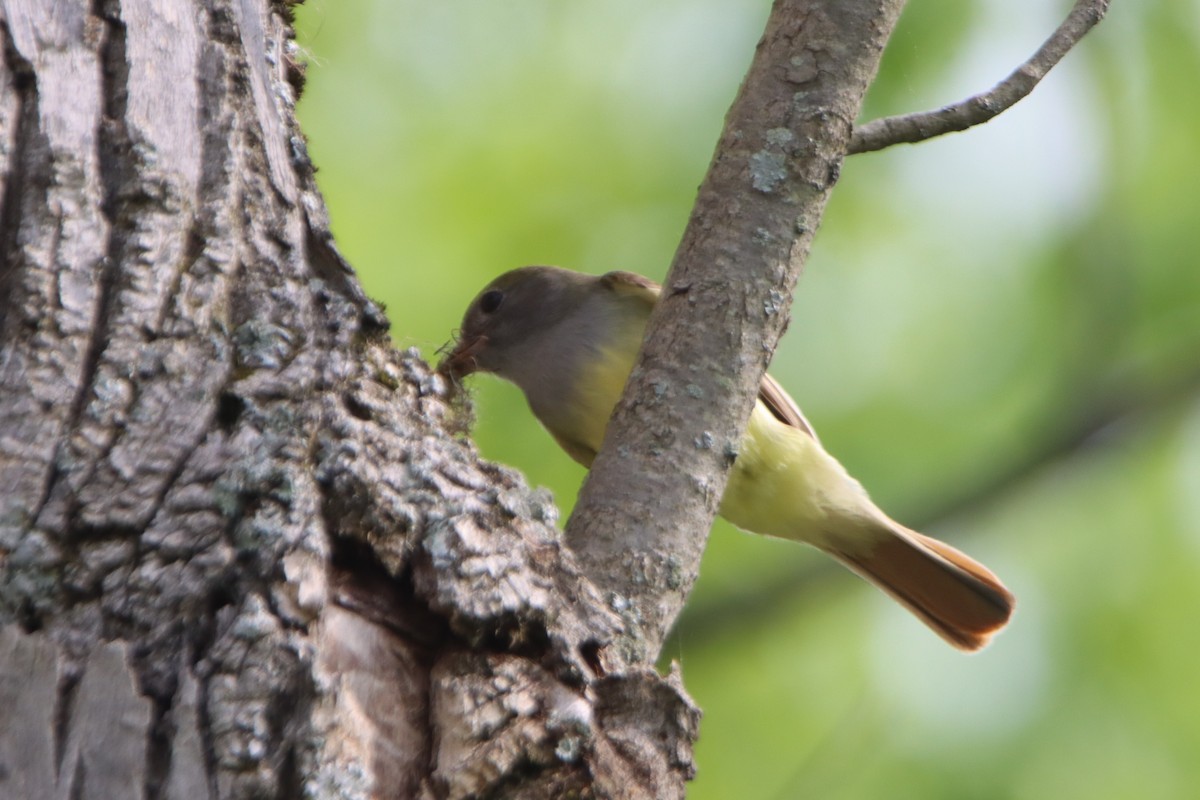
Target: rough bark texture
<point>242,553</point>
<point>644,514</point>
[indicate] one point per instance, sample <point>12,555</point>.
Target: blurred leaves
<point>998,333</point>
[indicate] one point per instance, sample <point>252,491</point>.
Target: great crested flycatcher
<point>569,340</point>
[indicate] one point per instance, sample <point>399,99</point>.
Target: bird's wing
<point>782,406</point>
<point>772,395</point>
<point>632,285</point>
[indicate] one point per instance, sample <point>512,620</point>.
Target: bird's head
<point>506,315</point>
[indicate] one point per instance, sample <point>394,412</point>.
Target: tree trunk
<point>243,553</point>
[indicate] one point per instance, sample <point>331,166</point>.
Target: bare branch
<point>645,510</point>
<point>976,110</point>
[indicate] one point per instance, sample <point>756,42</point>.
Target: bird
<point>568,340</point>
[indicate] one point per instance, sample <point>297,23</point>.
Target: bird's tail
<point>956,596</point>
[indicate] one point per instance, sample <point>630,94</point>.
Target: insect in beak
<point>460,361</point>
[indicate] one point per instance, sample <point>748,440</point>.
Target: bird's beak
<point>460,362</point>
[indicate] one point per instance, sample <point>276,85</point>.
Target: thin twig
<point>910,128</point>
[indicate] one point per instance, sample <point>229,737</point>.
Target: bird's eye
<point>491,301</point>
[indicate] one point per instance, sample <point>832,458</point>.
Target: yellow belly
<point>782,484</point>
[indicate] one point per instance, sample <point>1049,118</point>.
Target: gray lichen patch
<point>768,171</point>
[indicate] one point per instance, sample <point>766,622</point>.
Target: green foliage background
<point>998,333</point>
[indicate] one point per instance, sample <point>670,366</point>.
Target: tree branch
<point>976,110</point>
<point>646,507</point>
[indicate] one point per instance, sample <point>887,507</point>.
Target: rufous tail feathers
<point>956,596</point>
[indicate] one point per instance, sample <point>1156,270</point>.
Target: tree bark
<point>243,552</point>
